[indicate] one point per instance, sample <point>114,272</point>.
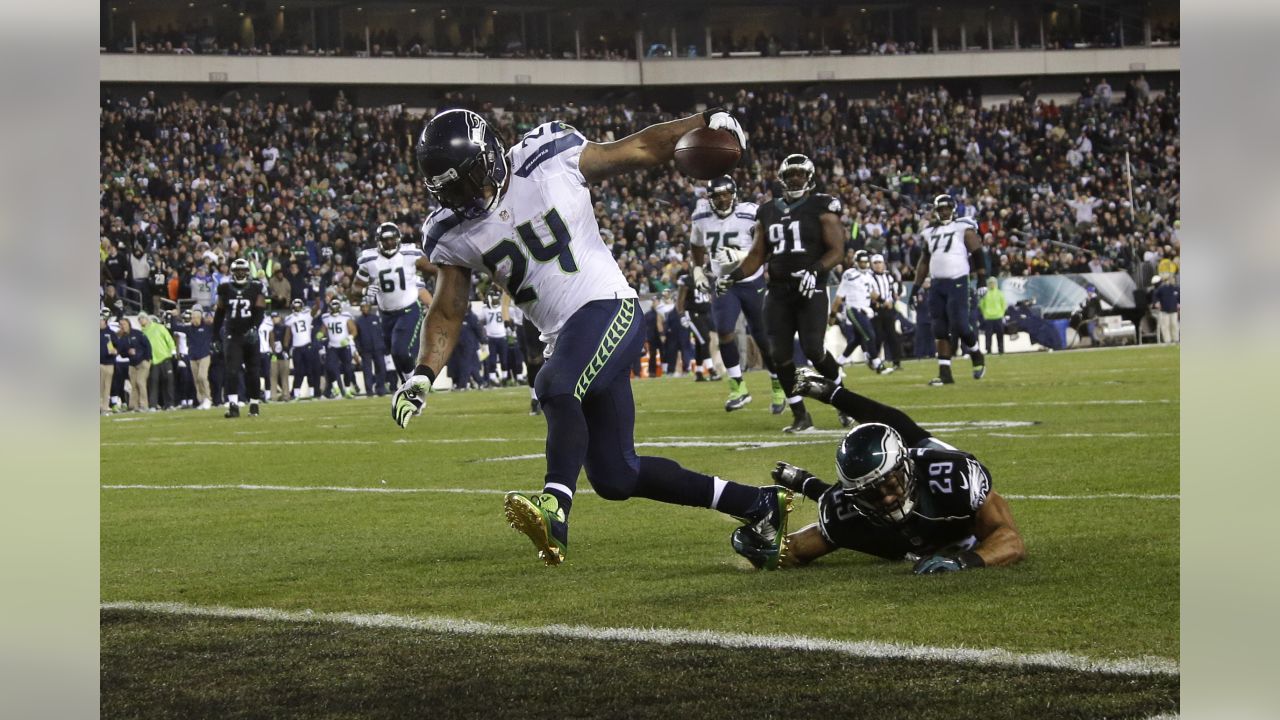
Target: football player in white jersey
<point>495,333</point>
<point>525,217</point>
<point>393,269</point>
<point>305,359</point>
<point>723,230</point>
<point>948,240</point>
<point>853,296</point>
<point>341,329</point>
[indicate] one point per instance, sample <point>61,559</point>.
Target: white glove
<point>684,321</point>
<point>722,120</point>
<point>410,398</point>
<point>701,282</point>
<point>808,282</point>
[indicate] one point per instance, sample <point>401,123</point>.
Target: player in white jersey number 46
<point>525,217</point>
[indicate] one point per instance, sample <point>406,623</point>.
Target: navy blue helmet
<point>944,208</point>
<point>461,160</point>
<point>388,238</point>
<point>723,194</point>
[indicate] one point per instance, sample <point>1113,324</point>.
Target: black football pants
<point>788,313</point>
<point>241,355</point>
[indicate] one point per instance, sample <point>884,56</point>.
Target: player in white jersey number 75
<point>525,217</point>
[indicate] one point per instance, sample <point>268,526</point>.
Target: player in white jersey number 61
<point>525,217</point>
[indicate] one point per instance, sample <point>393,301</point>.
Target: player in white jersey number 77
<point>525,217</point>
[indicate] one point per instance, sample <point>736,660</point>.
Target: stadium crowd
<point>187,186</point>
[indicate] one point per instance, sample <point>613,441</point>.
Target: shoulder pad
<point>543,143</point>
<point>701,215</point>
<point>970,222</point>
<point>436,225</point>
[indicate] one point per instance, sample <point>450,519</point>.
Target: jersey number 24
<point>557,249</point>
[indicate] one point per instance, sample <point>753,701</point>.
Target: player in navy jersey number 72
<point>901,494</point>
<point>525,217</point>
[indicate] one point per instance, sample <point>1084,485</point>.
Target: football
<point>705,153</point>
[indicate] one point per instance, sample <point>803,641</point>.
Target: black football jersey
<point>696,301</point>
<point>239,302</point>
<point>951,485</point>
<point>793,235</point>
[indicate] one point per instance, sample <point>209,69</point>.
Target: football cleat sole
<point>737,403</point>
<point>524,516</point>
<point>777,409</point>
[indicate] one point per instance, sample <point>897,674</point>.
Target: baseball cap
<point>877,258</point>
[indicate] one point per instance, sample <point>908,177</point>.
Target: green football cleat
<point>738,395</point>
<point>778,401</point>
<point>540,517</point>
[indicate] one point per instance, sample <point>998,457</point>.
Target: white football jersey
<point>299,327</point>
<point>264,334</point>
<point>516,314</point>
<point>541,242</point>
<point>394,279</point>
<point>713,232</point>
<point>855,288</point>
<point>494,327</point>
<point>948,255</point>
<point>337,327</point>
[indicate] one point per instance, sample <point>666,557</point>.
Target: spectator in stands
<point>106,362</point>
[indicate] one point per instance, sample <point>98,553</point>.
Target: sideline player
<point>393,268</point>
<point>299,340</point>
<point>719,224</point>
<point>526,218</point>
<point>800,237</point>
<point>853,297</point>
<point>901,494</point>
<point>693,306</point>
<point>341,329</point>
<point>241,303</point>
<point>948,240</point>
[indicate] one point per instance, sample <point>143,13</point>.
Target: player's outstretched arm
<point>650,147</point>
<point>999,542</point>
<point>439,335</point>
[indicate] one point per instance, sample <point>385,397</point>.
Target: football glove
<point>411,397</point>
<point>723,283</point>
<point>701,282</point>
<point>791,477</point>
<point>278,348</point>
<point>813,384</point>
<point>684,321</point>
<point>807,282</point>
<point>720,119</point>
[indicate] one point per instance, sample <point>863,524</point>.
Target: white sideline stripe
<point>1036,436</point>
<point>1037,403</point>
<point>583,491</point>
<point>865,649</point>
<point>335,441</point>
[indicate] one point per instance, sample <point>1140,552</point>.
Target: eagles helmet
<point>862,259</point>
<point>463,162</point>
<point>239,271</point>
<point>944,204</point>
<point>876,474</point>
<point>796,173</point>
<point>725,190</point>
<point>388,234</point>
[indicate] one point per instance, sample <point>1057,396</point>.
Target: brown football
<point>705,153</point>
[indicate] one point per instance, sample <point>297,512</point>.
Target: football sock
<point>734,371</point>
<point>731,357</point>
<point>667,481</point>
<point>828,366</point>
<point>233,399</point>
<point>865,410</point>
<point>566,446</point>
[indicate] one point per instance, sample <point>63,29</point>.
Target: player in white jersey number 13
<point>948,240</point>
<point>525,217</point>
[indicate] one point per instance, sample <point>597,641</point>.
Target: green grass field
<point>1084,444</point>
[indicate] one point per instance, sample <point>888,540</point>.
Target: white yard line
<point>1144,666</point>
<point>1038,436</point>
<point>581,491</point>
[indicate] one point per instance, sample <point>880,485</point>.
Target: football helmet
<point>240,271</point>
<point>862,259</point>
<point>388,235</point>
<point>722,193</point>
<point>335,306</point>
<point>944,208</point>
<point>186,317</point>
<point>298,305</point>
<point>463,162</point>
<point>493,296</point>
<point>876,474</point>
<point>796,174</point>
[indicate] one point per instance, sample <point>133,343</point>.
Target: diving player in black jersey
<point>241,304</point>
<point>801,238</point>
<point>901,494</point>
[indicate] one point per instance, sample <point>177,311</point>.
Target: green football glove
<point>411,397</point>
